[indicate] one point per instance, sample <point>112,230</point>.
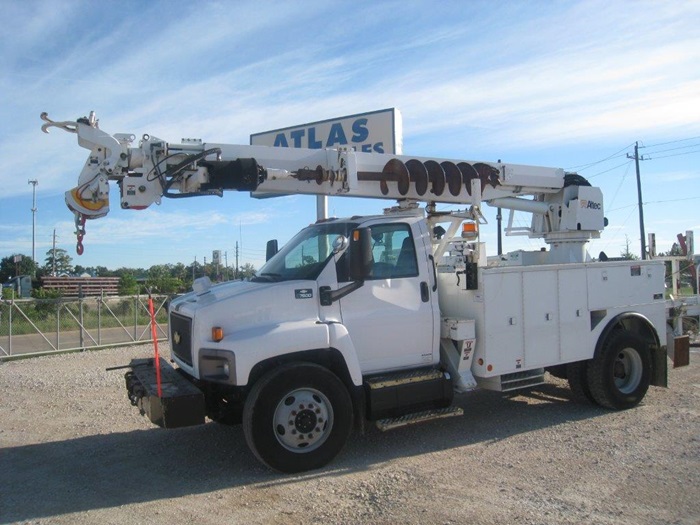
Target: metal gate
<point>40,326</point>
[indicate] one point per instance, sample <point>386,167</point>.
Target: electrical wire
<point>605,247</point>
<point>674,149</point>
<point>670,142</point>
<point>582,167</point>
<point>629,165</point>
<point>610,169</point>
<point>673,155</point>
<point>655,202</point>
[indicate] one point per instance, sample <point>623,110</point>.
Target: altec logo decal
<point>591,205</point>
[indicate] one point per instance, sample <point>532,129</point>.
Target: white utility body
<point>383,318</point>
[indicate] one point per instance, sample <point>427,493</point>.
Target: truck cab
<point>390,322</point>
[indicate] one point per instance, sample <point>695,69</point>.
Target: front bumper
<point>181,404</point>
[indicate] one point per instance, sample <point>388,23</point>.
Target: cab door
<point>393,319</point>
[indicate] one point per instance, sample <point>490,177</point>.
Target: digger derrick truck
<point>380,318</point>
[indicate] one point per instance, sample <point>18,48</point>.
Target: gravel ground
<point>74,451</point>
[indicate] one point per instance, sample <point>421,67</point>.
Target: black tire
<point>219,411</point>
<point>297,417</point>
<point>576,374</point>
<point>559,371</point>
<point>619,376</point>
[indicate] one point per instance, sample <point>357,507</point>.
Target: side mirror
<point>339,244</point>
<point>271,249</point>
<point>360,253</point>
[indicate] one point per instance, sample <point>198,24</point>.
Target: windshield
<point>305,255</point>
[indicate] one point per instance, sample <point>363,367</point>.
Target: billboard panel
<point>373,132</point>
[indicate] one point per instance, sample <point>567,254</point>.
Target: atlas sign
<point>374,132</point>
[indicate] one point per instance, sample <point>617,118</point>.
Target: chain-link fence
<point>52,325</point>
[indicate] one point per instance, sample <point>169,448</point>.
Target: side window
<point>393,251</point>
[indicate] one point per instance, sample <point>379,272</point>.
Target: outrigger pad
<point>181,404</point>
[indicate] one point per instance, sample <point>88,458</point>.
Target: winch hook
<point>79,232</point>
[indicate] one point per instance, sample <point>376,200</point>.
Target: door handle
<point>424,292</point>
<point>432,265</point>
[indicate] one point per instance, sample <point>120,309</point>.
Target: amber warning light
<point>469,230</point>
<point>217,333</point>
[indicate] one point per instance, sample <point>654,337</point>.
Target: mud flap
<point>659,373</point>
<point>181,403</point>
<point>681,351</point>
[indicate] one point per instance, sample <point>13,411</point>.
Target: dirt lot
<point>74,451</point>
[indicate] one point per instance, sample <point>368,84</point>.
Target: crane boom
<point>153,168</point>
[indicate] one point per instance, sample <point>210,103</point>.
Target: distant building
<point>82,286</point>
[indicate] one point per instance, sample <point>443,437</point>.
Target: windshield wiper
<point>267,277</point>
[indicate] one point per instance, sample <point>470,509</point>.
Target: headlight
<point>217,365</point>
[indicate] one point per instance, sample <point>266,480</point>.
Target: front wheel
<point>297,417</point>
<point>619,376</point>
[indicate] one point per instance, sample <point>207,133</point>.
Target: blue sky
<point>560,84</point>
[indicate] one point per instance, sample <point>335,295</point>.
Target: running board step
<point>403,378</point>
<point>406,392</point>
<point>514,381</point>
<point>418,417</point>
<point>518,380</point>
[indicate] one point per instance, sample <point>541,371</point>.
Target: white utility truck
<point>380,318</point>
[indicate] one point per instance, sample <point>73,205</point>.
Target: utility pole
<point>235,272</point>
<point>639,200</point>
<point>226,262</point>
<point>53,255</point>
<point>193,267</point>
<point>33,183</point>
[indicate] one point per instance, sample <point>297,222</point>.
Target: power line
<point>621,183</point>
<point>674,149</point>
<point>672,155</point>
<point>655,202</point>
<point>627,162</point>
<point>670,142</point>
<point>673,200</point>
<point>620,153</point>
<point>605,247</point>
<point>582,167</point>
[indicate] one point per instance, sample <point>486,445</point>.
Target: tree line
<point>160,278</point>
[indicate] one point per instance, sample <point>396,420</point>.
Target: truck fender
<point>640,325</point>
<point>293,340</point>
<point>340,339</point>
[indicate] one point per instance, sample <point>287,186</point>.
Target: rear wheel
<point>619,376</point>
<point>576,374</point>
<point>297,417</point>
